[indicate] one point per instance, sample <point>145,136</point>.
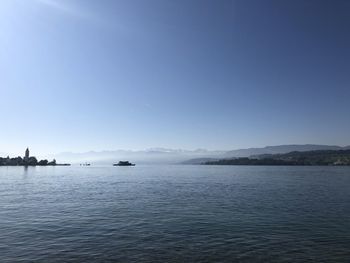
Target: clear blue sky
<point>126,74</point>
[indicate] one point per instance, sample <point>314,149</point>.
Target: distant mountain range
<point>175,156</point>
<point>255,152</point>
<point>283,149</point>
<point>148,156</point>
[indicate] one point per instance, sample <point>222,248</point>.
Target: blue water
<point>175,214</point>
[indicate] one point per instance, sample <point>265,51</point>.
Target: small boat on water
<point>124,163</point>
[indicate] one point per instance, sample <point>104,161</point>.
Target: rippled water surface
<point>175,214</point>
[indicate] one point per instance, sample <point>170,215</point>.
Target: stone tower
<point>26,156</point>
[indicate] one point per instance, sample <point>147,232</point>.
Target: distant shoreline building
<point>26,155</point>
<point>27,160</point>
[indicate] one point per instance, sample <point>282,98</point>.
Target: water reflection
<point>27,170</point>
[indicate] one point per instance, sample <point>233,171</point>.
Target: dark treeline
<point>248,161</point>
<point>19,161</point>
<point>329,157</point>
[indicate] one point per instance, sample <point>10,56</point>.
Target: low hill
<point>321,157</point>
<point>199,160</point>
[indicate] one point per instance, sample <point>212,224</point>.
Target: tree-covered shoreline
<point>31,161</point>
<point>310,158</point>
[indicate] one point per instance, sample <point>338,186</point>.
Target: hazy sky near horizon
<point>85,75</point>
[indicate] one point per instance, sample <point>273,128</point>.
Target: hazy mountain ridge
<point>173,156</point>
<point>152,155</point>
<point>280,149</point>
<point>271,150</point>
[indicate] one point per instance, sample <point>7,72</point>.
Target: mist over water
<point>174,213</point>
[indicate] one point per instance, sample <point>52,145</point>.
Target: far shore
<point>32,165</point>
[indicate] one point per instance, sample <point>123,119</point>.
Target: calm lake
<point>175,213</point>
